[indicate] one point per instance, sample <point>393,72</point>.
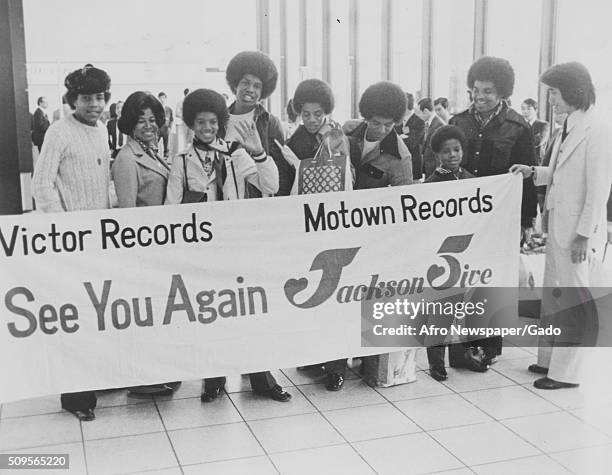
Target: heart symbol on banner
<point>434,272</point>
<point>296,285</point>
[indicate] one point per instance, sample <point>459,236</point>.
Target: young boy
<point>448,143</point>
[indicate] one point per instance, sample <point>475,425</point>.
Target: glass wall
<point>340,67</point>
<point>453,39</point>
<point>139,44</point>
<point>407,23</point>
<point>190,44</point>
<point>514,30</point>
<point>370,49</point>
<point>584,36</point>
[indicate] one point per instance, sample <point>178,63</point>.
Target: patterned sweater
<point>72,172</point>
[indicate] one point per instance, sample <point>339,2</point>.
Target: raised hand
<point>249,138</point>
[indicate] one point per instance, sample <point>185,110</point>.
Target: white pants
<point>563,362</point>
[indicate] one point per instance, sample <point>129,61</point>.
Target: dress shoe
<point>277,394</point>
<point>439,374</point>
<point>335,381</point>
<point>489,360</point>
<point>547,383</point>
<point>152,390</point>
<point>534,368</point>
<point>210,395</point>
<point>84,415</point>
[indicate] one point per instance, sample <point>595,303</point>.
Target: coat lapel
<point>574,138</point>
<point>145,161</point>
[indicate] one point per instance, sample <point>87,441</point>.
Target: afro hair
<point>496,70</point>
<point>256,63</point>
<point>313,90</point>
<point>134,106</point>
<point>383,99</point>
<point>87,80</point>
<point>205,100</point>
<point>574,82</point>
<point>444,133</point>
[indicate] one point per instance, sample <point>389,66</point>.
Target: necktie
<point>208,166</point>
<point>565,133</point>
<point>220,175</point>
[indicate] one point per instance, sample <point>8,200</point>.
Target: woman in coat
<point>141,175</point>
<point>578,184</point>
<point>139,172</point>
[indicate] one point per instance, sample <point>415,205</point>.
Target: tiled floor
<point>491,423</point>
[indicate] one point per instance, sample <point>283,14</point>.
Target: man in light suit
<point>432,123</point>
<point>40,122</point>
<point>578,185</point>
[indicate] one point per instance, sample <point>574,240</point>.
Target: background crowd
<point>241,150</point>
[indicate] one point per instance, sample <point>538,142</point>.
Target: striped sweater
<point>72,171</point>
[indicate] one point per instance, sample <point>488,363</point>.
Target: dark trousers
<point>79,401</point>
<point>164,134</point>
<point>336,366</point>
<point>435,356</point>
<point>260,382</point>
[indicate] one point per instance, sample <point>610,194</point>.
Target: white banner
<point>116,298</point>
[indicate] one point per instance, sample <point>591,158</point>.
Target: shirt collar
<point>482,121</point>
<point>574,118</point>
<point>259,110</point>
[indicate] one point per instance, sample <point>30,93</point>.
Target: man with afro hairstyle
<point>379,155</point>
<point>313,101</point>
<point>497,138</point>
<point>252,77</point>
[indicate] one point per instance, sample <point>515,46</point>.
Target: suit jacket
<point>578,180</point>
<point>139,180</point>
<point>429,158</point>
<point>412,132</point>
<point>540,138</point>
<point>541,190</point>
<point>113,139</point>
<point>40,124</point>
<point>169,119</point>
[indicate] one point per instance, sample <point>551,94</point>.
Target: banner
<point>116,298</point>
